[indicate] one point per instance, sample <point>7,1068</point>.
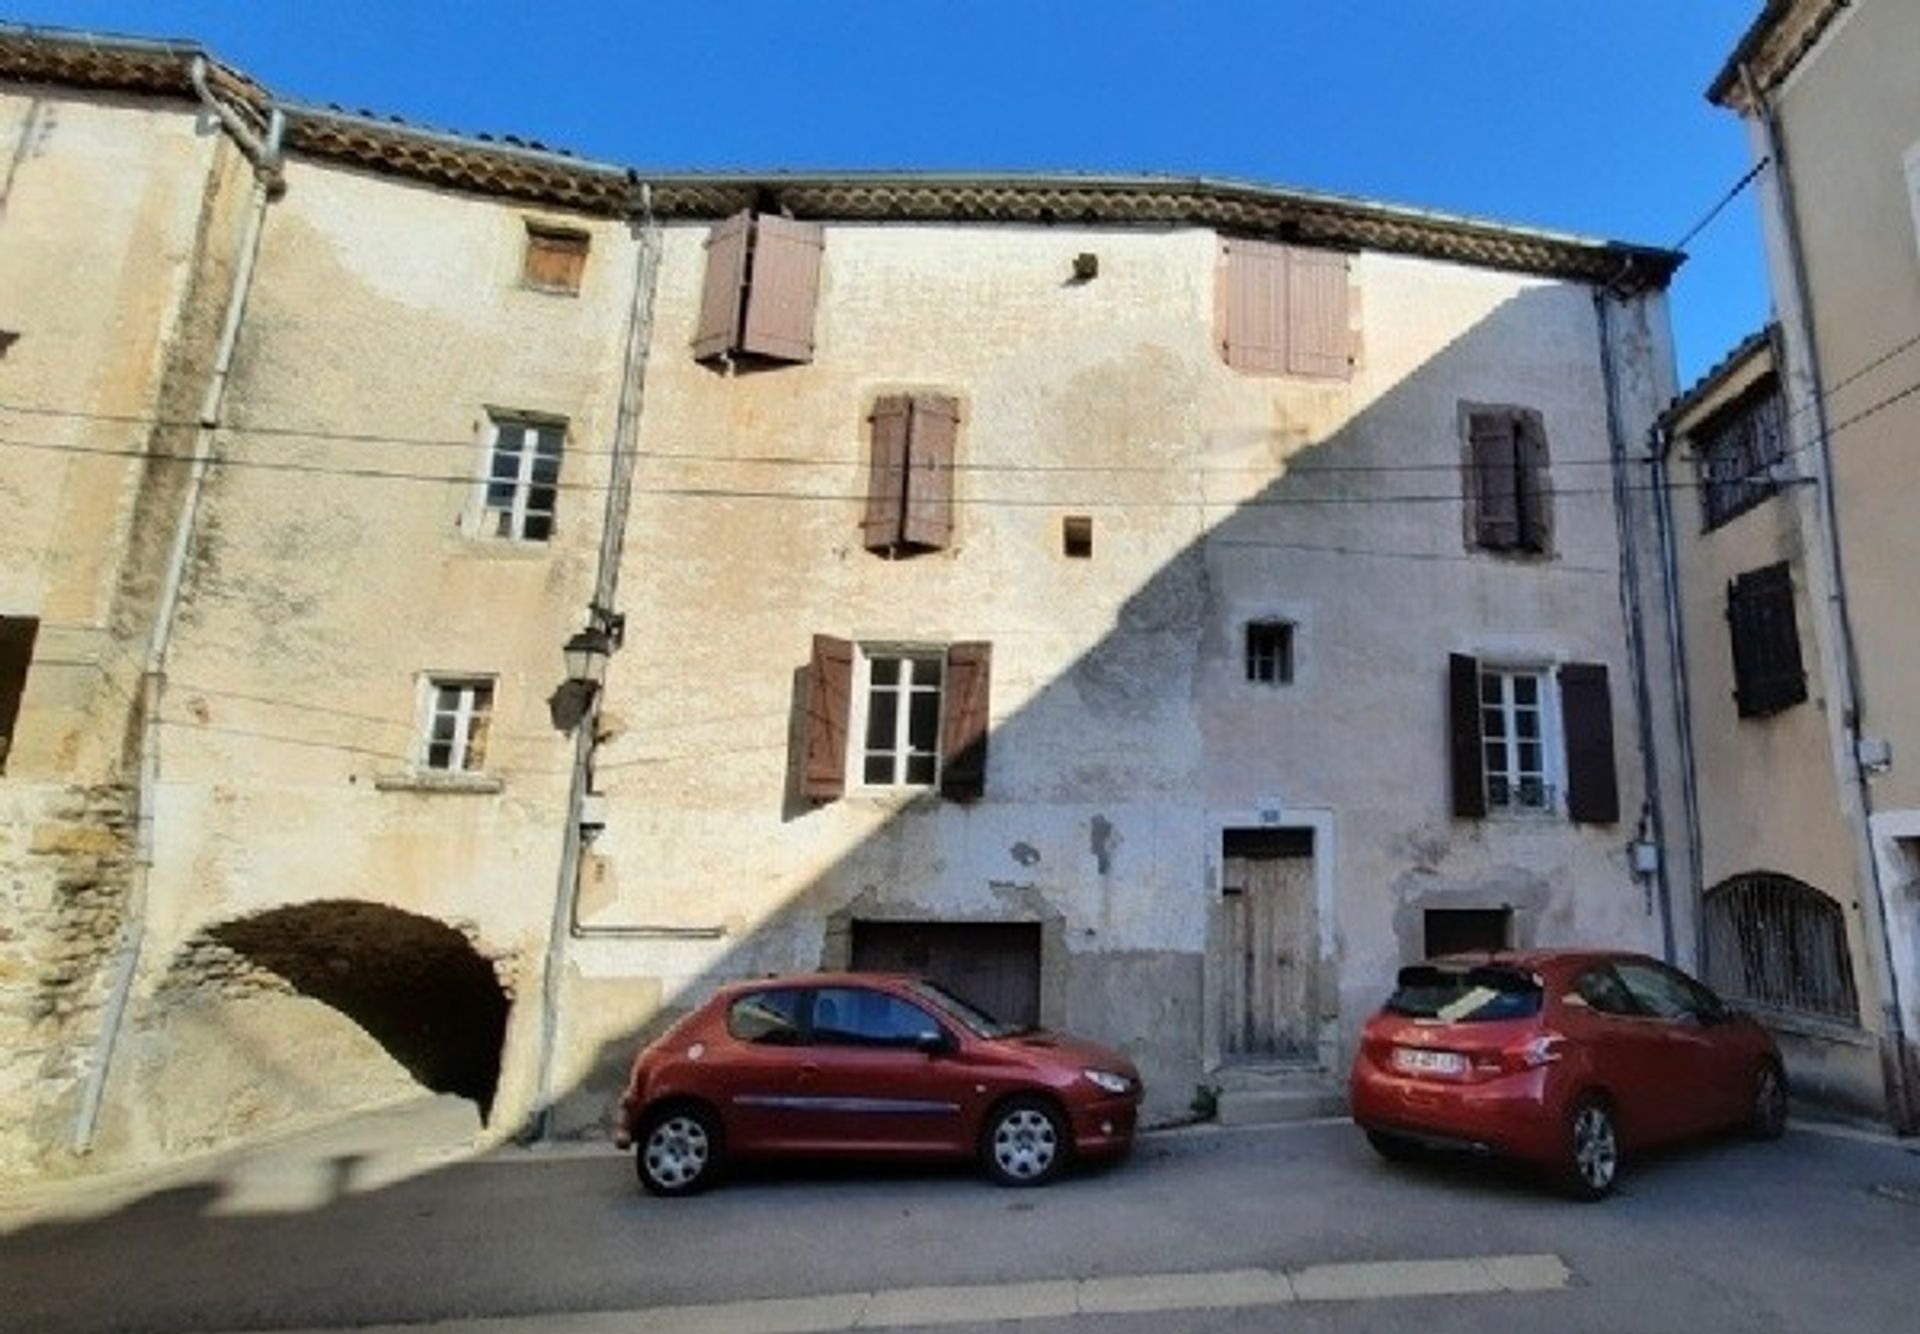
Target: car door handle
<point>809,1070</point>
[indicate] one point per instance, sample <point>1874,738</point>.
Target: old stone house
<point>1792,547</point>
<point>1158,606</point>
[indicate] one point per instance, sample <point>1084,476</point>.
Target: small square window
<point>1464,930</point>
<point>1270,652</point>
<point>555,258</point>
<point>1076,537</point>
<point>457,715</point>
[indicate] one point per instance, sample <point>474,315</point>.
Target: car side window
<point>857,1017</point>
<point>769,1018</point>
<point>1661,992</point>
<point>1604,993</point>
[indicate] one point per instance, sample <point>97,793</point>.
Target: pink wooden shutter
<point>783,289</point>
<point>963,729</point>
<point>823,773</point>
<point>881,528</point>
<point>1318,341</point>
<point>1252,318</point>
<point>934,428</point>
<point>1496,482</point>
<point>718,332</point>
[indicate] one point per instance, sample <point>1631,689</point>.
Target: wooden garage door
<point>994,965</point>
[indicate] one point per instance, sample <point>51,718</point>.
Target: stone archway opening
<point>417,986</point>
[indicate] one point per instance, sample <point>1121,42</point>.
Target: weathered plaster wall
<point>1118,703</point>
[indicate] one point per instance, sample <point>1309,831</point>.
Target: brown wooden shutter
<point>17,634</point>
<point>823,772</point>
<point>718,332</point>
<point>1496,518</point>
<point>881,527</point>
<point>963,729</point>
<point>1469,761</point>
<point>933,429</point>
<point>1318,340</point>
<point>1593,793</point>
<point>1536,492</point>
<point>782,289</point>
<point>554,259</point>
<point>1251,321</point>
<point>1768,672</point>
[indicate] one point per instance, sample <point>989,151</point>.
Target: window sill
<point>505,548</point>
<point>471,785</point>
<point>893,798</point>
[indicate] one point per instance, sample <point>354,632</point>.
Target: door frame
<point>1319,821</point>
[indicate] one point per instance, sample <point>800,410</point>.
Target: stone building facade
<point>1161,608</point>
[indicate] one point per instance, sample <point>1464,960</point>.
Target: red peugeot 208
<point>868,1064</point>
<point>1564,1058</point>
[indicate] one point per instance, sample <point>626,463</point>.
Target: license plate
<point>1418,1060</point>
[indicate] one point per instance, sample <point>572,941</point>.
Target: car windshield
<point>1465,995</point>
<point>977,1021</point>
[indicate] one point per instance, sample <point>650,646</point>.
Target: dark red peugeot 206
<point>1569,1059</point>
<point>868,1064</point>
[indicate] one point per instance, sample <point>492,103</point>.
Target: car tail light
<point>1538,1050</point>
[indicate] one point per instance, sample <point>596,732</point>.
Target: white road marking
<point>981,1303</point>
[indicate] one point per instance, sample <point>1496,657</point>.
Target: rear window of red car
<point>1465,995</point>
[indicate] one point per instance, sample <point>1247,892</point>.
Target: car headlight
<point>1107,1080</point>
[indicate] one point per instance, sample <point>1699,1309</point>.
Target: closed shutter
<point>1593,793</point>
<point>1768,671</point>
<point>881,526</point>
<point>718,332</point>
<point>554,259</point>
<point>963,731</point>
<point>1493,448</point>
<point>933,429</point>
<point>823,774</point>
<point>1251,318</point>
<point>782,289</point>
<point>1536,492</point>
<point>1469,763</point>
<point>17,634</point>
<point>1318,340</point>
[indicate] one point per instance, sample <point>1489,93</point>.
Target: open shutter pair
<point>1282,310</point>
<point>910,476</point>
<point>1767,669</point>
<point>1508,451</point>
<point>762,284</point>
<point>963,722</point>
<point>1586,706</point>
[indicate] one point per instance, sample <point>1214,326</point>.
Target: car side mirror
<point>933,1043</point>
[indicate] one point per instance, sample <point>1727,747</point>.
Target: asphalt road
<point>1816,1232</point>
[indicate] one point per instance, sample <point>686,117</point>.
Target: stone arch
<point>420,988</point>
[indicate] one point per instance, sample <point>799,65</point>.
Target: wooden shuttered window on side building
<point>910,473</point>
<point>829,695</point>
<point>555,259</point>
<point>1768,672</point>
<point>1509,496</point>
<point>761,288</point>
<point>1284,310</point>
<point>964,720</point>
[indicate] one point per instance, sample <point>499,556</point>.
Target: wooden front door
<point>1269,953</point>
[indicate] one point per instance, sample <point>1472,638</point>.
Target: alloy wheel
<point>1596,1149</point>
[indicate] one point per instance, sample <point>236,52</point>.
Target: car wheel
<point>678,1150</point>
<point>1767,1119</point>
<point>1594,1150</point>
<point>1394,1148</point>
<point>1025,1143</point>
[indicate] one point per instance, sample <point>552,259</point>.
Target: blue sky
<point>1569,114</point>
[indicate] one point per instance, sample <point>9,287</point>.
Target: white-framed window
<point>456,713</point>
<point>522,482</point>
<point>1520,743</point>
<point>899,702</point>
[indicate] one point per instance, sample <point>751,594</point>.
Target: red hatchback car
<point>1568,1059</point>
<point>868,1064</point>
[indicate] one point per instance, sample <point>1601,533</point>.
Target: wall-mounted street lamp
<point>585,654</point>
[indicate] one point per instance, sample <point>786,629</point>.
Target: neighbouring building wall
<point>332,919</point>
<point>119,224</point>
<point>1126,739</point>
